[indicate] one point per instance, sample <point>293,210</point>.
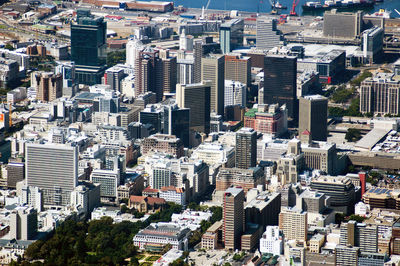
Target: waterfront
<point>264,5</point>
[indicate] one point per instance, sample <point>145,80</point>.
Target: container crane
<point>293,10</point>
<point>204,9</point>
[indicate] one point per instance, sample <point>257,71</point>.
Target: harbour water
<point>265,6</point>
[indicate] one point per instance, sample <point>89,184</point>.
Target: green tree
<point>353,134</point>
<point>9,47</point>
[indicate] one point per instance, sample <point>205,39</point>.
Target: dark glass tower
<point>88,47</point>
<point>280,73</point>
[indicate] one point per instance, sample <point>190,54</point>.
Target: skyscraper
<point>293,223</point>
<point>49,86</point>
<point>246,148</point>
<point>213,69</point>
<point>233,213</point>
<point>198,55</point>
<point>238,68</point>
<point>88,47</point>
<point>231,35</point>
<point>360,235</point>
<point>67,71</point>
<point>169,68</point>
<point>133,48</point>
<point>313,114</point>
<point>176,122</point>
<point>268,36</point>
<point>196,97</point>
<point>280,74</point>
<point>54,169</point>
<point>149,73</point>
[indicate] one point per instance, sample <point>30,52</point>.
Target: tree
<point>9,47</point>
<point>166,248</point>
<point>353,134</point>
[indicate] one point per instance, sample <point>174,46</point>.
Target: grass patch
<point>91,253</point>
<point>140,256</point>
<point>152,258</point>
<point>146,264</point>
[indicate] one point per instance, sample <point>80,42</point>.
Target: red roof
<point>306,132</point>
<point>172,188</point>
<point>150,190</point>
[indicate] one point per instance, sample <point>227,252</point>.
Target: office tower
<point>113,77</point>
<point>372,43</point>
<point>238,68</point>
<point>161,175</point>
<point>267,35</point>
<point>380,94</point>
<point>176,121</point>
<point>23,223</point>
<point>67,71</point>
<point>169,68</point>
<point>185,42</point>
<point>233,223</point>
<point>246,148</point>
<point>152,115</point>
<point>231,35</point>
<point>235,93</point>
<point>30,196</point>
<point>15,173</point>
<point>54,169</point>
<point>49,86</point>
<point>346,255</point>
<point>293,223</point>
<point>343,25</point>
<point>198,55</point>
<point>280,74</point>
<point>339,188</point>
<point>109,104</point>
<point>4,118</point>
<point>289,165</point>
<point>213,69</point>
<point>264,209</point>
<point>360,235</point>
<point>313,115</point>
<point>109,181</point>
<point>149,73</point>
<point>88,47</point>
<point>272,241</point>
<point>196,97</point>
<point>185,67</point>
<point>133,48</point>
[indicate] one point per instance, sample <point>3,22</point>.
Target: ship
<point>278,5</point>
<point>337,4</point>
<point>382,13</point>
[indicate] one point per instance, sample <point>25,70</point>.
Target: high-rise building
<point>185,67</point>
<point>149,73</point>
<point>238,68</point>
<point>231,35</point>
<point>67,71</point>
<point>346,255</point>
<point>54,169</point>
<point>293,223</point>
<point>267,119</point>
<point>380,94</point>
<point>49,86</point>
<point>196,97</point>
<point>169,68</point>
<point>109,181</point>
<point>246,148</point>
<point>15,173</point>
<point>235,93</point>
<point>23,223</point>
<point>113,77</point>
<point>198,55</point>
<point>233,221</point>
<point>185,41</point>
<point>161,143</point>
<point>88,47</point>
<point>133,48</point>
<point>213,69</point>
<point>372,43</point>
<point>176,122</point>
<point>342,24</point>
<point>364,236</point>
<point>313,115</point>
<point>268,36</point>
<point>280,74</point>
<point>244,178</point>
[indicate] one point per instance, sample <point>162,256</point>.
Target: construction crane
<point>293,10</point>
<point>397,11</point>
<point>204,9</point>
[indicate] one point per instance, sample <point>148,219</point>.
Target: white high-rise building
<point>54,169</point>
<point>267,36</point>
<point>185,42</point>
<point>272,241</point>
<point>109,181</point>
<point>133,47</point>
<point>235,93</point>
